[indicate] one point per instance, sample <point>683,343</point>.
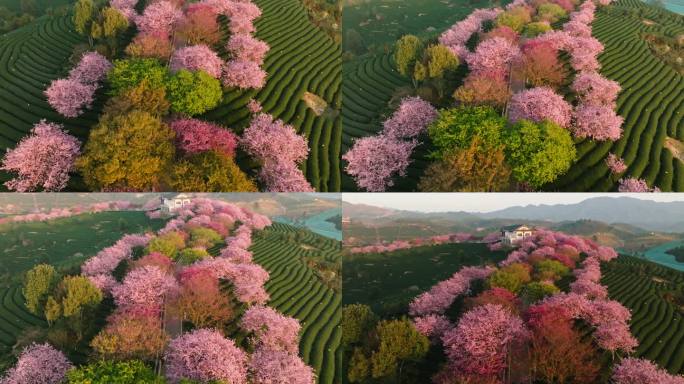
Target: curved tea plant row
<point>296,291</point>
<point>302,58</point>
<point>657,323</point>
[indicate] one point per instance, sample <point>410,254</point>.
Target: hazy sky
<point>485,202</point>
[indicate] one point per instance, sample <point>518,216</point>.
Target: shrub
<point>42,159</point>
<point>106,372</point>
<point>127,152</point>
<point>538,153</point>
<point>193,93</point>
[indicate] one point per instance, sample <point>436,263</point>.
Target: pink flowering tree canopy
<point>410,119</point>
<point>616,164</point>
<point>244,46</point>
<point>159,17</point>
<point>373,161</point>
<point>538,104</point>
<point>273,140</point>
<point>92,69</point>
<point>640,371</point>
<point>635,185</point>
<point>70,97</point>
<point>278,367</point>
<point>197,57</point>
<point>244,74</point>
<point>271,330</point>
<point>145,287</point>
<point>597,122</point>
<point>38,363</point>
<point>43,159</point>
<point>194,136</point>
<point>595,89</point>
<point>283,177</point>
<point>205,355</point>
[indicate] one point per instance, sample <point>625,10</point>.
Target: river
<point>658,255</point>
<point>317,223</point>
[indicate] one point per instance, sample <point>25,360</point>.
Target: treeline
<point>11,19</point>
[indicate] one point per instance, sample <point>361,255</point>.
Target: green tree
<point>209,171</point>
<point>84,12</point>
<point>167,244</point>
<point>79,294</point>
<point>53,310</point>
<point>538,153</point>
<point>357,321</point>
<point>536,29</point>
<point>110,372</point>
<point>538,290</point>
<point>406,53</point>
<point>550,12</point>
<point>204,237</point>
<point>130,73</point>
<point>511,277</point>
<point>192,93</point>
<point>420,72</point>
<point>547,269</point>
<point>440,60</point>
<point>399,342</point>
<point>132,151</point>
<point>38,283</point>
<point>190,255</point>
<point>359,366</point>
<point>456,127</point>
<point>29,6</point>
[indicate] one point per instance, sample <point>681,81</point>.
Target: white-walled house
<point>174,203</point>
<point>513,234</point>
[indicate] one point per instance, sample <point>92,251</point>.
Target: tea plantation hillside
<point>302,59</point>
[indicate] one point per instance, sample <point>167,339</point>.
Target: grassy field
<point>302,59</point>
<point>296,291</point>
<point>657,321</point>
<point>389,281</point>
<point>652,101</point>
<point>64,243</point>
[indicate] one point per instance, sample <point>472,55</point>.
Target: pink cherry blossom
<point>70,97</point>
<point>433,326</point>
<point>641,371</point>
<point>38,363</point>
<point>271,330</point>
<point>538,104</point>
<point>245,47</point>
<point>597,122</point>
<point>283,177</point>
<point>411,118</point>
<point>615,335</point>
<point>595,89</point>
<point>194,136</point>
<point>145,287</point>
<point>278,367</point>
<point>615,164</point>
<point>92,69</point>
<point>269,139</point>
<point>493,56</point>
<point>374,160</point>
<point>635,185</point>
<point>205,355</point>
<point>158,17</point>
<point>195,58</point>
<point>42,159</point>
<point>244,74</point>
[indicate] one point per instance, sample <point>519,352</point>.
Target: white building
<point>513,234</point>
<point>174,203</point>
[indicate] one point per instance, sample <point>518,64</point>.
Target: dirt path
<point>676,147</point>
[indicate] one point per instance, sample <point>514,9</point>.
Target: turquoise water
<point>317,223</point>
<point>658,255</point>
<point>676,6</point>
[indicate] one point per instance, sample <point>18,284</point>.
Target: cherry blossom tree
<point>538,104</point>
<point>92,69</point>
<point>615,335</point>
<point>577,29</point>
<point>70,97</point>
<point>42,159</point>
<point>273,140</point>
<point>278,367</point>
<point>159,17</point>
<point>432,326</point>
<point>271,330</point>
<point>493,56</point>
<point>482,340</point>
<point>616,164</point>
<point>205,355</point>
<point>641,371</point>
<point>283,177</point>
<point>195,58</point>
<point>194,136</point>
<point>584,52</point>
<point>635,185</point>
<point>248,48</point>
<point>145,287</point>
<point>410,119</point>
<point>38,363</point>
<point>595,89</point>
<point>374,160</point>
<point>244,74</point>
<point>597,122</point>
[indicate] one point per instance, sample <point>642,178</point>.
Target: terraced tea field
<point>302,59</point>
<point>656,322</point>
<point>652,103</point>
<point>296,291</point>
<point>65,243</point>
<point>389,281</point>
